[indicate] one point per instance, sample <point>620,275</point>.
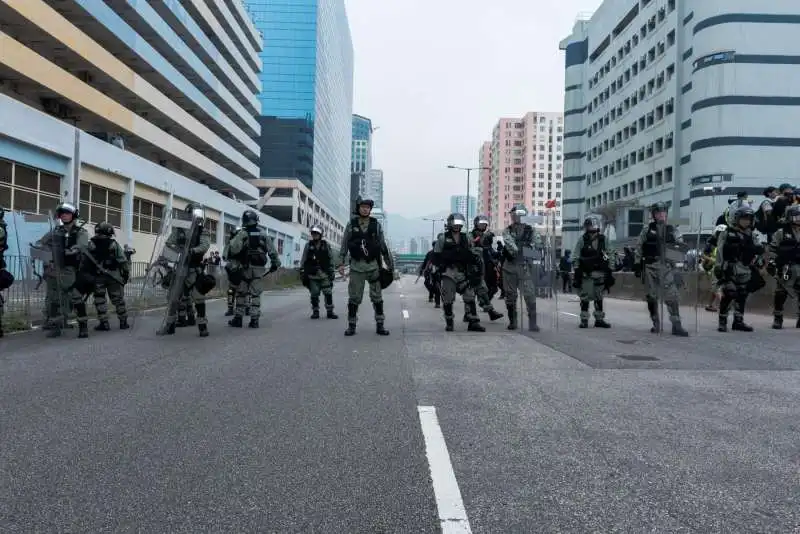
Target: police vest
<point>651,249</point>
<point>455,254</point>
<point>739,247</point>
<point>591,259</point>
<point>256,250</point>
<point>318,258</point>
<point>105,253</point>
<point>788,248</point>
<point>364,245</point>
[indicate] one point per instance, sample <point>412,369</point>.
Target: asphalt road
<point>295,428</point>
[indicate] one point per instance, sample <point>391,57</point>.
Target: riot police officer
<point>111,271</point>
<point>317,272</point>
<point>785,264</point>
<point>482,240</point>
<point>593,272</point>
<point>517,271</point>
<point>461,272</point>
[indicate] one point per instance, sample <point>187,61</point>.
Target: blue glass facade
<point>362,128</point>
<point>308,74</point>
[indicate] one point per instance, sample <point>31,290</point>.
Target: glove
<point>331,276</point>
<point>125,275</point>
<point>274,267</point>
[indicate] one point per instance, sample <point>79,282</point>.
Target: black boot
<point>236,322</point>
<point>253,322</point>
<point>584,323</point>
<point>474,322</point>
<point>103,326</point>
<point>738,322</point>
<point>1,326</point>
<point>182,322</point>
<point>83,321</point>
<point>512,317</point>
<point>448,318</point>
<point>600,323</point>
<point>202,326</point>
<point>123,323</point>
<point>778,301</point>
<point>379,329</point>
<point>722,325</point>
<point>777,321</point>
<point>329,307</point>
<point>495,315</point>
<point>315,307</point>
<point>652,308</point>
<point>167,330</point>
<point>191,320</point>
<point>679,330</point>
<point>352,319</point>
<point>83,329</point>
<point>229,313</point>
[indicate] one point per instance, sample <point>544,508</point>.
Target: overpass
<point>408,261</point>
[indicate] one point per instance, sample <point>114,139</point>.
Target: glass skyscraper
<point>307,96</point>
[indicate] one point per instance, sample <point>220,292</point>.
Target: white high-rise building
<point>666,102</point>
<point>374,186</point>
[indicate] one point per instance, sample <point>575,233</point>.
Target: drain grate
<point>637,357</point>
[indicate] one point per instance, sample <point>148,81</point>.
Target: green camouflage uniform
<point>112,273</point>
<point>364,271</point>
<point>67,243</point>
<point>593,261</point>
<point>190,295</point>
<point>251,285</point>
<point>318,275</point>
<point>519,271</point>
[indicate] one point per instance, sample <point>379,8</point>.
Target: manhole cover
<point>628,341</point>
<point>637,357</point>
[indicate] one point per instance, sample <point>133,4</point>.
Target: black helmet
<point>104,229</point>
<point>658,206</point>
<point>66,207</point>
<point>519,209</point>
<point>480,219</point>
<point>363,200</point>
<point>591,222</point>
<point>743,212</point>
<point>249,218</point>
<point>456,219</point>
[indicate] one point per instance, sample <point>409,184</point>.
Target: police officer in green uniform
<point>658,273</point>
<point>110,267</point>
<point>364,243</point>
<point>593,265</point>
<point>785,264</point>
<point>249,252</point>
<point>482,240</point>
<point>200,242</point>
<point>317,273</point>
<point>231,293</point>
<point>68,241</point>
<point>517,271</point>
<point>737,253</point>
<point>461,272</point>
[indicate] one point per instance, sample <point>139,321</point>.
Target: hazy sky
<point>435,75</point>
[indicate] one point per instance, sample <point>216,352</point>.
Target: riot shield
<point>696,272</point>
<point>169,263</point>
<point>53,244</point>
<point>534,283</point>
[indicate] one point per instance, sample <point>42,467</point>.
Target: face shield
<point>457,224</point>
<point>482,224</point>
<point>591,225</point>
<point>197,214</point>
<point>518,214</point>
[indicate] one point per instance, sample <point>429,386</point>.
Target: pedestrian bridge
<point>408,260</point>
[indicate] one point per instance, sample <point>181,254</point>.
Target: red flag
<point>550,204</point>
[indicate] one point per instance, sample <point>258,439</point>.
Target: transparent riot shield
<point>672,267</point>
<point>696,272</point>
<point>535,279</point>
<point>53,244</point>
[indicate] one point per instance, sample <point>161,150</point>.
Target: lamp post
<point>469,170</point>
<point>433,226</point>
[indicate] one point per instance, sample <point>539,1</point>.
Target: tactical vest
<point>788,248</point>
<point>651,251</point>
<point>196,258</point>
<point>739,247</point>
<point>104,253</point>
<point>3,238</point>
<point>318,258</point>
<point>256,248</point>
<point>455,254</point>
<point>64,240</point>
<point>591,259</point>
<point>364,246</point>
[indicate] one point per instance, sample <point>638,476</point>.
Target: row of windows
<point>28,189</point>
<point>634,188</point>
<point>651,150</point>
<point>648,28</point>
<point>644,122</point>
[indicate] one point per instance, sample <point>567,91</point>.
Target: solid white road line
<point>452,514</point>
<point>405,314</point>
<point>571,314</point>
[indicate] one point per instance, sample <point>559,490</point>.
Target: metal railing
<point>24,301</point>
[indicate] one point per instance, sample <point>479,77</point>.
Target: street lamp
<point>433,226</point>
<point>469,170</point>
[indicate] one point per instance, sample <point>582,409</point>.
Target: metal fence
<point>24,301</point>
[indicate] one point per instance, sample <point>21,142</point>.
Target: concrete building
<point>526,168</point>
<point>131,109</point>
<point>373,188</point>
<point>361,162</point>
<point>485,181</point>
<point>458,204</point>
<point>667,101</point>
<point>307,96</point>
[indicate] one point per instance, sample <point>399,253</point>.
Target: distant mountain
<point>401,228</point>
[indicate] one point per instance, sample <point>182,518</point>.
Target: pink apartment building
<point>526,160</point>
<point>484,181</point>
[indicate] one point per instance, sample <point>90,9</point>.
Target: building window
<point>28,189</point>
<point>147,216</point>
<point>99,204</point>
